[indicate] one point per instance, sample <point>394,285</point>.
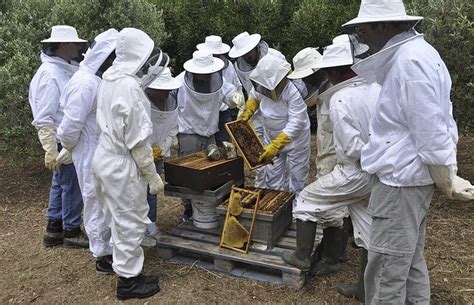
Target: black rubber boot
<point>75,238</point>
<point>330,253</point>
<point>345,238</point>
<point>301,257</point>
<point>103,265</point>
<point>54,233</point>
<point>139,287</point>
<point>356,290</point>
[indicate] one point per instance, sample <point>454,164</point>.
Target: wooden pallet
<point>189,245</point>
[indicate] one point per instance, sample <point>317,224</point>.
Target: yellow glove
<point>272,149</point>
<point>47,137</point>
<point>157,153</point>
<point>250,108</point>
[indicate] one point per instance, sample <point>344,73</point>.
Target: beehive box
<point>247,142</point>
<point>197,173</point>
<point>273,215</point>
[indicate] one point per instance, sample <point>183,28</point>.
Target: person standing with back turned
<point>412,146</point>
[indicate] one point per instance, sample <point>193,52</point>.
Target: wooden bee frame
<point>228,215</point>
<point>247,142</point>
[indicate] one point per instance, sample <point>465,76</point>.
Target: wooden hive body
<point>196,172</point>
<point>273,215</point>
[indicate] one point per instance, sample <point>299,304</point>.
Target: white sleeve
<point>46,102</point>
<point>428,122</point>
<point>79,101</point>
<point>297,113</point>
<point>347,136</point>
<point>136,120</point>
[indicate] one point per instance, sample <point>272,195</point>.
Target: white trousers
<point>121,192</point>
<point>94,222</point>
<point>331,197</point>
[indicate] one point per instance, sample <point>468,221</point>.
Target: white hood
<point>133,49</point>
<point>270,71</point>
<point>104,45</point>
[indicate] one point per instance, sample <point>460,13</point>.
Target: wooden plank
<point>188,226</point>
<point>293,280</point>
<point>223,265</point>
<point>290,233</point>
<point>206,238</point>
<point>237,272</point>
<point>287,243</point>
<point>251,258</point>
<point>167,253</point>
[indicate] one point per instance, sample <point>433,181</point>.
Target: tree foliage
<point>178,25</point>
<point>24,23</point>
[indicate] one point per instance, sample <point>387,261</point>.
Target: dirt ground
<point>31,273</point>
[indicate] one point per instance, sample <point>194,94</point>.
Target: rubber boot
<point>331,250</point>
<point>356,290</point>
<point>54,233</point>
<point>345,239</point>
<point>138,287</point>
<point>305,234</point>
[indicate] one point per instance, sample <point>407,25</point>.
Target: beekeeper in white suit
<point>123,161</point>
<point>164,116</point>
<point>199,101</point>
<point>247,50</point>
<point>214,45</point>
<point>286,126</point>
<point>309,80</point>
<point>351,104</point>
<point>58,64</point>
<point>412,146</point>
<point>78,134</point>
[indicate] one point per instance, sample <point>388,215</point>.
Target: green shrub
<point>178,25</point>
<point>24,23</point>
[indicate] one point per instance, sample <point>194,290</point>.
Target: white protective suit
<point>78,134</point>
<point>47,86</point>
<point>412,128</point>
<point>243,70</point>
<point>424,140</point>
<point>165,125</point>
<point>229,75</point>
<point>198,113</point>
<point>350,109</point>
<point>288,114</point>
<point>123,118</point>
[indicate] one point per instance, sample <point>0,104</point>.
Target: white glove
<point>450,184</point>
<point>143,157</point>
<point>175,142</point>
<point>167,145</point>
<point>156,185</point>
<point>47,137</point>
<point>236,100</point>
<point>462,189</point>
<point>64,157</point>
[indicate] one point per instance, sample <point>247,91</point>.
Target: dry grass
<point>31,273</point>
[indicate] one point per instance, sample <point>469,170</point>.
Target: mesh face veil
<point>272,94</point>
<point>204,83</point>
<point>153,67</point>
